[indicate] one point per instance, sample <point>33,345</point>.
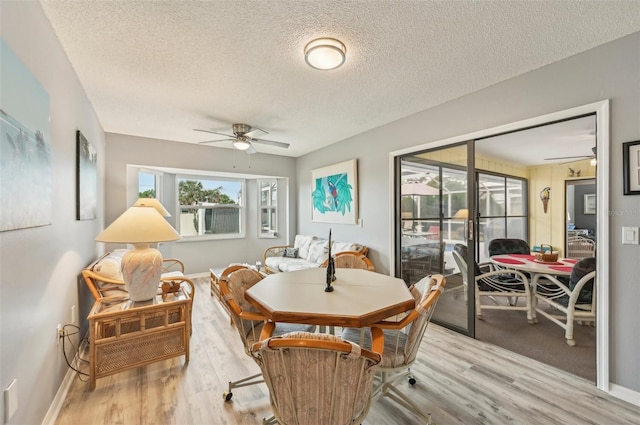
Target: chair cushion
<point>582,268</point>
<point>508,246</point>
<point>394,343</point>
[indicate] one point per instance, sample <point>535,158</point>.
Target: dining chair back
<point>351,260</point>
<point>508,246</point>
<point>402,339</point>
<point>507,284</point>
<point>247,319</point>
<point>580,247</point>
<point>570,302</point>
<point>317,379</point>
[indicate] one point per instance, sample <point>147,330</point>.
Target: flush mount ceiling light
<point>242,143</point>
<point>325,53</point>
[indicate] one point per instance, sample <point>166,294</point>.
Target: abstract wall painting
<point>86,178</point>
<point>26,195</point>
<point>335,193</point>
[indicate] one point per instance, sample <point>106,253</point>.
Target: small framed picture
<point>631,167</point>
<point>590,203</point>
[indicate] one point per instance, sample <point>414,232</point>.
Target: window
<point>502,208</point>
<point>149,184</point>
<point>268,205</point>
<point>210,207</point>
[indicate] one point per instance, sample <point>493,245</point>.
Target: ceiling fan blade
<point>568,157</point>
<point>271,143</point>
<point>215,141</point>
<point>213,132</point>
<point>251,149</point>
<point>255,132</point>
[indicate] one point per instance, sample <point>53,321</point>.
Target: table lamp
<point>142,266</point>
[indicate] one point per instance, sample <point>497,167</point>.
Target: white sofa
<point>305,253</point>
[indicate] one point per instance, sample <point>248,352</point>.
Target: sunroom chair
<point>572,302</point>
<point>247,320</point>
<point>580,247</point>
<point>317,379</point>
<point>214,282</point>
<point>402,339</point>
<point>351,260</point>
<point>508,246</point>
<point>512,285</point>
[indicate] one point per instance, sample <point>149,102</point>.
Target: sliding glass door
<point>432,218</point>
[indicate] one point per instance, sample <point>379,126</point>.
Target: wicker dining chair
<point>317,379</point>
<point>351,260</point>
<point>402,339</point>
<point>247,320</point>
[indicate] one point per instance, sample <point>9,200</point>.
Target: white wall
<point>39,267</point>
<point>198,256</point>
<point>611,71</point>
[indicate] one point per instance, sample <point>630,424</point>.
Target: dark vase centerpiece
<point>331,269</point>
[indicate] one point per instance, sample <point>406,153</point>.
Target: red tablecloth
<point>570,260</point>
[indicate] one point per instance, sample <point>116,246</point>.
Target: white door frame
<point>601,110</point>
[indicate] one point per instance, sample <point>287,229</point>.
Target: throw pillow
<point>290,253</point>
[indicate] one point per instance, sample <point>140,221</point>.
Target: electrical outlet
<point>59,333</point>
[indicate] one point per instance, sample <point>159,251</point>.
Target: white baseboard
<point>58,401</point>
<point>625,394</point>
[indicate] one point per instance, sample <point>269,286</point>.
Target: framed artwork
<point>590,203</point>
<point>335,193</point>
<point>631,167</point>
<point>86,179</point>
<point>26,181</point>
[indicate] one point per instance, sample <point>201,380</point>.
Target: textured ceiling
<point>160,69</point>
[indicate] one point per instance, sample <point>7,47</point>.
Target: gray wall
<point>201,255</point>
<point>582,220</point>
<point>611,71</point>
<point>39,267</point>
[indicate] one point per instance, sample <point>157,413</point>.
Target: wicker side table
<point>124,334</point>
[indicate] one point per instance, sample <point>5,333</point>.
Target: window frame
<point>271,207</point>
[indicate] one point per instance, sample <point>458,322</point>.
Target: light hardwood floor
<point>460,381</point>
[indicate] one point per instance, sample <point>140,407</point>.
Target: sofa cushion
<point>318,251</point>
<point>296,264</point>
<point>345,246</point>
<point>284,264</point>
<point>302,242</point>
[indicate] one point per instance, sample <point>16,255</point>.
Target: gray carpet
<point>543,341</point>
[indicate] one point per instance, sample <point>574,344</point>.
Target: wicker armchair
<point>351,260</point>
<point>102,285</point>
<point>247,320</point>
<point>402,339</point>
<point>335,391</point>
<point>580,247</point>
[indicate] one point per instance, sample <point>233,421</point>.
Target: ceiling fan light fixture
<point>241,143</point>
<point>325,53</point>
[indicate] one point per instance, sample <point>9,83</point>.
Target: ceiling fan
<point>243,138</point>
<point>593,149</point>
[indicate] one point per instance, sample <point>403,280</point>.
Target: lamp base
<point>141,271</point>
